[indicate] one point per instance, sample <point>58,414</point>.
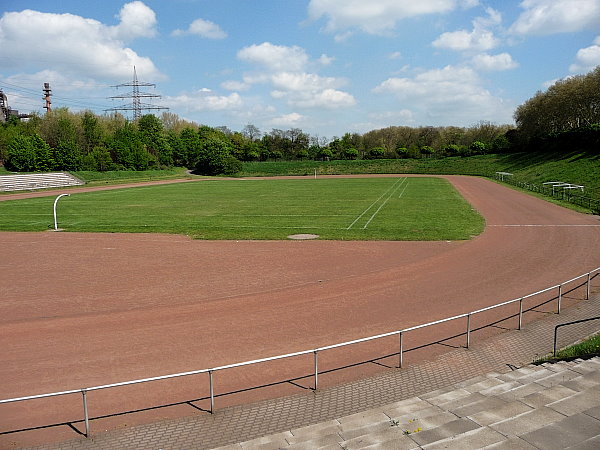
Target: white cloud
<point>452,95</point>
<point>75,46</point>
<point>136,20</point>
<point>542,17</point>
<point>203,28</point>
<point>373,16</point>
<point>275,57</point>
<point>204,100</point>
<point>395,55</point>
<point>479,39</point>
<point>587,58</point>
<point>501,61</point>
<point>232,85</point>
<point>287,120</point>
<point>326,60</point>
<point>284,68</point>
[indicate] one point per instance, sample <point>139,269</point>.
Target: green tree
<point>155,139</point>
<point>21,154</point>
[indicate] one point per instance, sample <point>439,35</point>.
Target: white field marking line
<point>546,225</point>
<point>386,200</point>
<point>399,180</point>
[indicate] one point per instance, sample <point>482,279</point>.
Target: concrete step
<point>21,182</point>
<point>546,406</point>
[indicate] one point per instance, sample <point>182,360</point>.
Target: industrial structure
<point>6,112</point>
<point>137,106</point>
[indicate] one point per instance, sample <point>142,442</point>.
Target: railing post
<point>212,392</point>
<point>85,413</point>
<point>400,352</point>
<point>316,359</point>
<point>520,313</point>
<point>468,330</point>
<point>559,298</point>
<point>589,280</point>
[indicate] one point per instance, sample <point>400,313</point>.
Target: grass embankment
<point>397,208</point>
<point>576,167</point>
<point>585,349</point>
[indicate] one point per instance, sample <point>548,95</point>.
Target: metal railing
<point>585,201</point>
<point>315,352</point>
<point>566,324</point>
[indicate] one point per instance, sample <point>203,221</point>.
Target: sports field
<point>393,208</point>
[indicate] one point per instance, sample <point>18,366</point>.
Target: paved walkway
<point>500,354</point>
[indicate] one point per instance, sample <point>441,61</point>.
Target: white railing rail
<point>315,352</point>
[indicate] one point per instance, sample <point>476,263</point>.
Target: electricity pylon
<point>135,95</point>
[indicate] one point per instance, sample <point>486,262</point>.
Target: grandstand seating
<point>29,182</point>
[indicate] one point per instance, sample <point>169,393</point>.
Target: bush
<point>376,153</point>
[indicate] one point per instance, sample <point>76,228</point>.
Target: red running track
<point>81,310</point>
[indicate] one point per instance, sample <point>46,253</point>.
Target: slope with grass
<point>570,167</point>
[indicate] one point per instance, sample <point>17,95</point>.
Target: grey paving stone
<point>527,422</point>
<point>485,404</point>
<point>570,431</point>
<point>363,419</point>
<point>449,396</point>
<point>352,433</point>
<point>558,378</point>
<point>521,391</point>
<point>319,442</point>
<point>495,415</point>
<point>593,412</point>
<point>488,383</point>
<point>577,403</point>
<point>425,423</point>
<point>278,439</point>
<point>581,383</point>
<point>318,429</point>
<point>478,438</point>
<point>506,386</point>
<point>547,396</point>
<point>442,432</point>
<point>590,444</point>
<point>418,414</point>
<point>391,438</point>
<point>512,443</point>
<point>405,407</point>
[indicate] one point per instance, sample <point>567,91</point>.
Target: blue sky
<point>325,66</point>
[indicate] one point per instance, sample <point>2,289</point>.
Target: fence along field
<point>396,208</point>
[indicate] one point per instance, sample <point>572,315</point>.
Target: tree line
<point>568,113</point>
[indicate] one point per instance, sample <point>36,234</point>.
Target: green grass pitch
<point>396,208</point>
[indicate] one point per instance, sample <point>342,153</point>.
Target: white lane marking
<point>386,200</point>
<point>400,180</point>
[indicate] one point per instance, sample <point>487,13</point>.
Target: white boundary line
<point>386,200</point>
<point>375,202</point>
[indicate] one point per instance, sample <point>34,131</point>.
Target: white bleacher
<point>33,181</point>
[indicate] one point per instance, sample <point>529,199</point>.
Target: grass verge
<point>588,348</point>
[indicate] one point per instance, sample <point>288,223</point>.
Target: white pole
<point>55,202</point>
<point>315,174</point>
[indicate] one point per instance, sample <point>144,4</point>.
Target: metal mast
<point>47,93</point>
<point>135,95</point>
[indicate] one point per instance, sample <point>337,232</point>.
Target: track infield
<point>392,208</point>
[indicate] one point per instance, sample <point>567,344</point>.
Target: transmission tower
<point>135,95</point>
